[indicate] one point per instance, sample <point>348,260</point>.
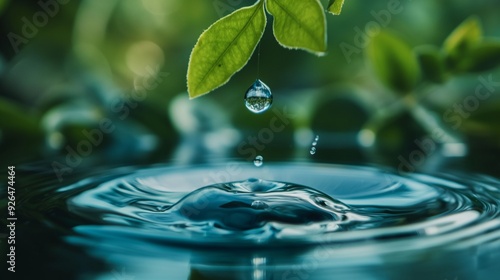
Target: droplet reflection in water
<point>258,161</point>
<point>258,97</point>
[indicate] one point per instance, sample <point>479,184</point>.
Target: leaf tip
<point>335,7</point>
<point>194,92</point>
<point>466,34</point>
<point>320,53</point>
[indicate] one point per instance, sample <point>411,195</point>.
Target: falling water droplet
<point>258,97</point>
<point>312,151</point>
<point>258,161</point>
<point>257,204</point>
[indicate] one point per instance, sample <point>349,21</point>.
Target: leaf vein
<point>229,46</point>
<point>298,22</point>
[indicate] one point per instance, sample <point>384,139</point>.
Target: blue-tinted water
<point>279,221</point>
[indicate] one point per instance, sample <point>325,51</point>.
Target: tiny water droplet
<point>259,205</point>
<point>258,97</point>
<point>312,151</point>
<point>258,161</point>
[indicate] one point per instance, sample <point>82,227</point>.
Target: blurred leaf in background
<point>394,62</point>
<point>431,63</point>
<point>462,40</point>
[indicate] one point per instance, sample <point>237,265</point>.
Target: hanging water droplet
<point>313,150</point>
<point>258,161</point>
<point>315,143</point>
<point>257,204</point>
<point>316,139</point>
<point>258,97</point>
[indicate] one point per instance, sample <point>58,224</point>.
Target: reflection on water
<point>280,221</point>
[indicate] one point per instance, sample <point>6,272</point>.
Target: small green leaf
<point>483,57</point>
<point>465,37</point>
<point>224,48</point>
<point>393,62</point>
<point>299,24</point>
<point>431,63</point>
<point>335,6</point>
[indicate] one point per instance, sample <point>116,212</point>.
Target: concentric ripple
<point>237,205</point>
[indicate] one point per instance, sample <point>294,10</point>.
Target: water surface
<point>279,221</point>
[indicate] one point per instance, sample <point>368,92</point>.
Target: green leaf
<point>335,6</point>
<point>465,37</point>
<point>224,48</point>
<point>393,62</point>
<point>483,57</point>
<point>299,24</point>
<point>431,63</point>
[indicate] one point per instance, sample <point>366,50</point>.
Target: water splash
<point>322,200</point>
<point>160,221</point>
<point>312,151</point>
<point>257,204</point>
<point>258,98</point>
<point>132,218</point>
<point>254,205</point>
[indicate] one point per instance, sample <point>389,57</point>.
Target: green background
<point>84,64</point>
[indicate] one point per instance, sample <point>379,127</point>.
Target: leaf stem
<point>258,62</point>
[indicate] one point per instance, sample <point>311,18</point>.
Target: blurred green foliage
<point>393,62</point>
<point>126,61</point>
